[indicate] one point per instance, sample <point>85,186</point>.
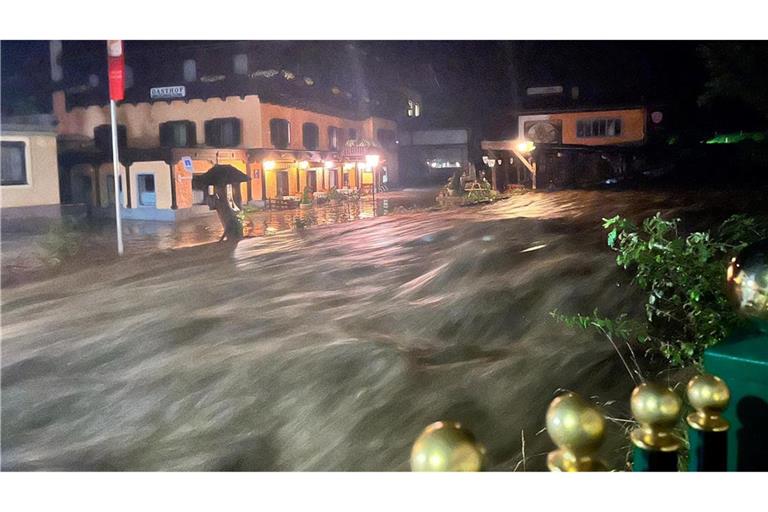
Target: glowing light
<point>269,165</point>
<point>329,164</point>
<point>525,146</point>
<point>372,160</point>
<point>303,164</point>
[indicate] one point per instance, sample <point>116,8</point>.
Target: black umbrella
<point>221,174</point>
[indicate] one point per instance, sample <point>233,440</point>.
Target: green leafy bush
<point>683,276</point>
<point>62,241</point>
<point>306,196</point>
<point>482,195</point>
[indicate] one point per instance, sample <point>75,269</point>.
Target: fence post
<point>742,360</point>
<point>577,427</point>
<point>708,430</point>
<point>447,446</point>
<point>657,409</point>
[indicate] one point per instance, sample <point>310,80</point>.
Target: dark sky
<point>469,83</point>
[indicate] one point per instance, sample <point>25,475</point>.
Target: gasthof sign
<point>176,91</point>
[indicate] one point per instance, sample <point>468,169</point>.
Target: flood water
<point>324,349</point>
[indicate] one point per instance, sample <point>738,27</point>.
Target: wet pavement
<point>328,348</point>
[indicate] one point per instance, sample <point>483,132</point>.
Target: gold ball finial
<point>747,280</point>
<point>657,409</point>
<point>577,427</point>
<point>446,446</point>
<point>709,395</point>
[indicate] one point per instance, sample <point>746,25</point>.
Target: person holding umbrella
<point>219,176</point>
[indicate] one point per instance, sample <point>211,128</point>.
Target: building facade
<point>571,147</point>
<point>30,179</point>
<point>288,133</point>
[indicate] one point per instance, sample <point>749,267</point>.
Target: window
<point>190,70</point>
<point>14,163</point>
<point>178,134</point>
<point>102,136</point>
<point>386,138</point>
<point>147,195</point>
<point>310,135</point>
<point>414,108</point>
<point>352,134</point>
<point>279,133</point>
<point>598,128</point>
<point>222,132</point>
<point>240,62</point>
<point>333,137</point>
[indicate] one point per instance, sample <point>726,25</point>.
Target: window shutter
<point>236,131</point>
<point>211,133</point>
<point>191,134</point>
<point>166,135</point>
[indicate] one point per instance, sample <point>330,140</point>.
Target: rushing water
<point>328,349</point>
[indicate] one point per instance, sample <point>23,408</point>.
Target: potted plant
<point>306,198</point>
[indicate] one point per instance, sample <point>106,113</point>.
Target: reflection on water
<point>273,221</point>
<point>328,349</point>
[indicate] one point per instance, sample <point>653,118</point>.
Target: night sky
<point>477,84</point>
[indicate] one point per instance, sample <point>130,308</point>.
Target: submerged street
<point>329,348</point>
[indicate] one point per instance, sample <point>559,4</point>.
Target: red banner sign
<point>116,70</point>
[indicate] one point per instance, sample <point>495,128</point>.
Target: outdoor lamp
<point>303,164</point>
<point>525,146</point>
<point>329,164</point>
<point>269,165</point>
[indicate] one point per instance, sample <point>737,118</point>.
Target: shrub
<point>480,196</point>
<point>683,277</point>
<point>62,241</point>
<point>306,196</point>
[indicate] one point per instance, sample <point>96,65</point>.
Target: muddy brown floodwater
<point>328,349</point>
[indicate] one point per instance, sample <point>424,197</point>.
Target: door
<point>332,178</point>
<point>282,183</point>
<point>82,189</point>
<point>312,181</point>
<point>147,195</point>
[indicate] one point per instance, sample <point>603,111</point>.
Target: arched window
<point>333,137</point>
<point>279,133</point>
<point>310,135</point>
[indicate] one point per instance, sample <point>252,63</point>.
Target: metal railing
<point>577,428</point>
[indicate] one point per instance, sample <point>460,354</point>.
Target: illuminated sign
<point>176,91</point>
